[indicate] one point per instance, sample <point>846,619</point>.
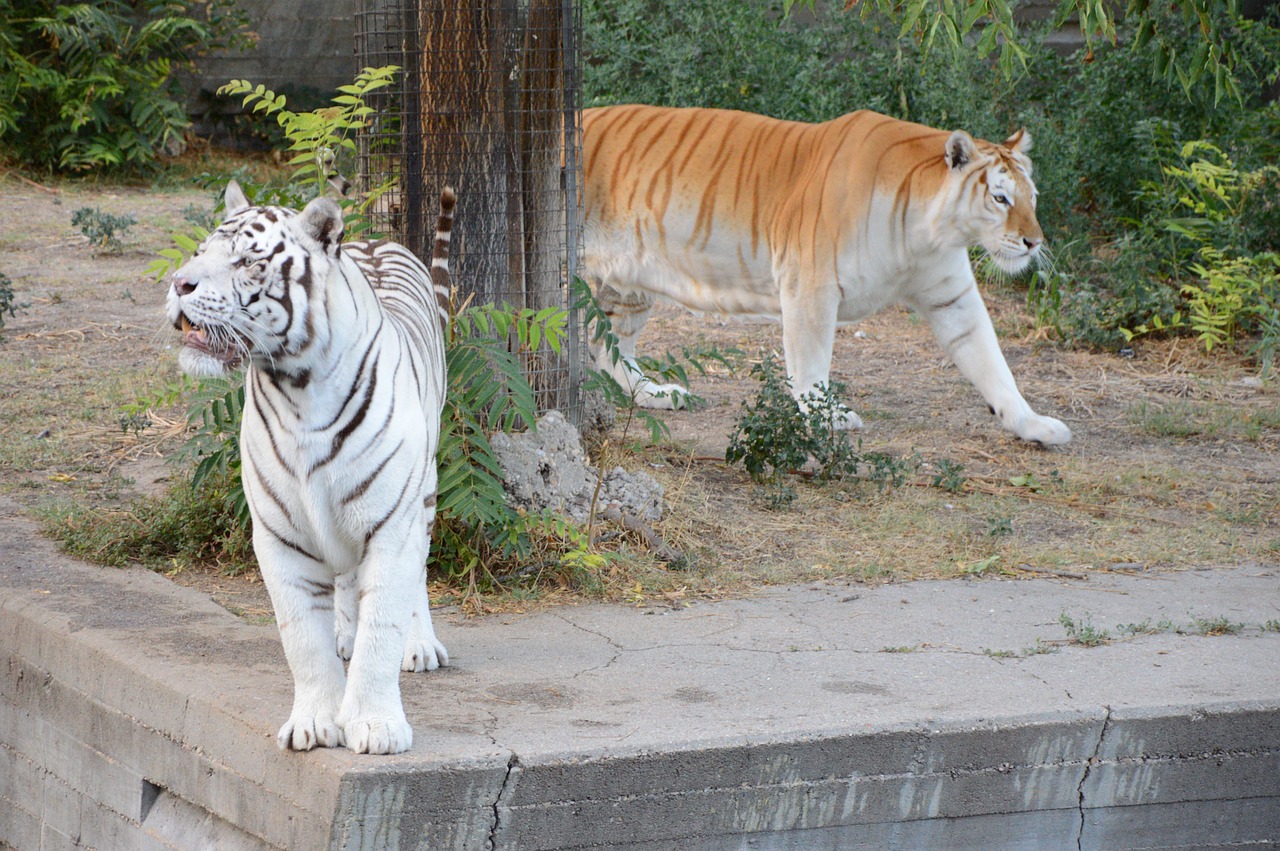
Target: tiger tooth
<point>186,324</point>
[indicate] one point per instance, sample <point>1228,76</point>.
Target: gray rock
<point>547,468</point>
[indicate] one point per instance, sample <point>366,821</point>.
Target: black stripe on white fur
<point>440,252</point>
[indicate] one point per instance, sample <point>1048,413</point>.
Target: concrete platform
<point>137,714</point>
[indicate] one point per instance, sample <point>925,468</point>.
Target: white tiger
<point>343,392</point>
<point>817,224</point>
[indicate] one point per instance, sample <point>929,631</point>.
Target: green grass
<point>1214,626</point>
<point>1083,632</point>
<point>1182,419</point>
<point>185,525</point>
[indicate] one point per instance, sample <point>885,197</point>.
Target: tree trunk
<point>464,83</point>
<point>492,114</point>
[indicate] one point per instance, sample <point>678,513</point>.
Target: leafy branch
<point>319,137</point>
<point>1216,54</point>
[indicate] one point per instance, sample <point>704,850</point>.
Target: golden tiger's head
<point>995,201</point>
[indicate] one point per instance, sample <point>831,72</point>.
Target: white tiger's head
<point>252,290</point>
<point>996,201</point>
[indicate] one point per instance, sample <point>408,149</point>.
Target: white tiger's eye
<point>1002,200</point>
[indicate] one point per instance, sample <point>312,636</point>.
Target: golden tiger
<point>819,224</point>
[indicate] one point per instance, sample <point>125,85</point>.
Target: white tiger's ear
<point>1019,142</point>
<point>321,220</point>
<point>234,199</point>
<point>961,150</point>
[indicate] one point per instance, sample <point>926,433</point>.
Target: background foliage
<point>90,86</point>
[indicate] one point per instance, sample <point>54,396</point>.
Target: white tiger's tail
<point>440,280</point>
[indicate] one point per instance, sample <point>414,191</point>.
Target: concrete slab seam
<point>514,768</point>
<point>1084,777</point>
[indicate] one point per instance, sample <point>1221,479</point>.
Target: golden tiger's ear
<point>234,199</point>
<point>961,150</point>
<point>1019,142</point>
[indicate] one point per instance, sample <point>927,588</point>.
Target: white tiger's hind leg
<point>628,315</point>
<point>962,326</point>
<point>422,650</point>
<point>344,613</point>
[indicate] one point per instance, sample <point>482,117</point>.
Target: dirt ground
<point>1173,465</point>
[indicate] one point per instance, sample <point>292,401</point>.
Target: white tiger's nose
<point>183,286</point>
<point>1032,243</point>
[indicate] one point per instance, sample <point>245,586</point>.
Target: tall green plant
<point>90,85</point>
<point>321,140</point>
<point>1228,287</point>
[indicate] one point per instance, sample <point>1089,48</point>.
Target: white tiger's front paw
<point>1045,431</point>
<point>379,735</point>
<point>304,732</point>
<point>423,655</point>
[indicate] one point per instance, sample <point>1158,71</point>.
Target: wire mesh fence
<point>487,103</point>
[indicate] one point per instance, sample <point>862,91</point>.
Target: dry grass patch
<point>1174,462</point>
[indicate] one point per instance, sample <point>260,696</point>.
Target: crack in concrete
<point>1088,767</point>
<point>513,771</point>
<point>608,639</point>
<point>618,648</point>
<point>491,728</point>
<point>1043,681</point>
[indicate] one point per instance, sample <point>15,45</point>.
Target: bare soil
<point>1174,463</point>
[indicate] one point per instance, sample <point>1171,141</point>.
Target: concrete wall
<point>137,714</point>
<point>300,43</point>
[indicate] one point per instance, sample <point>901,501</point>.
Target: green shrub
<point>479,536</point>
<point>8,301</point>
<point>103,230</point>
<point>188,524</point>
<point>774,437</point>
<point>87,86</point>
<point>1204,243</point>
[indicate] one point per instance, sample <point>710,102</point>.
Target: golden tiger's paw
<point>379,735</point>
<point>661,397</point>
<point>304,732</point>
<point>847,420</point>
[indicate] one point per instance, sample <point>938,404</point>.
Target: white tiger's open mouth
<point>220,347</point>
